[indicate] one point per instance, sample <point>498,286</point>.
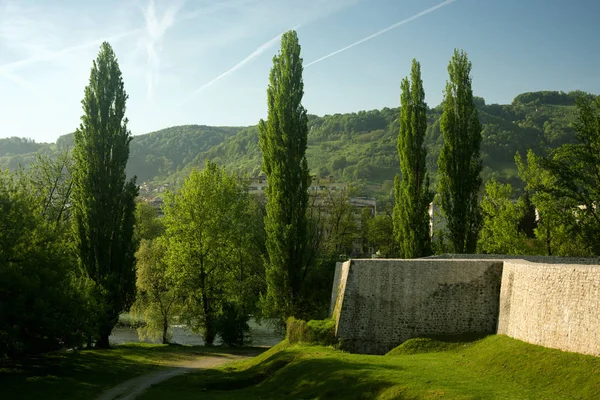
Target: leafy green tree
<point>52,181</point>
<point>103,201</point>
<point>147,224</point>
<point>501,216</point>
<point>157,300</point>
<point>528,221</point>
<point>206,226</point>
<point>411,211</point>
<point>576,169</point>
<point>459,164</point>
<point>332,233</point>
<point>42,307</point>
<point>557,232</point>
<point>283,140</point>
<point>340,227</point>
<point>380,234</point>
<point>366,216</point>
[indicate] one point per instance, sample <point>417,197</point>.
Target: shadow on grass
<point>286,374</point>
<point>86,373</point>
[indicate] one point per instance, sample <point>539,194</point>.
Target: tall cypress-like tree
<point>411,211</point>
<point>103,200</point>
<point>459,164</point>
<point>283,139</point>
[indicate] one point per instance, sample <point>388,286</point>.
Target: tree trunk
<point>165,338</point>
<point>209,332</point>
<point>103,342</point>
<point>106,328</point>
<point>209,328</point>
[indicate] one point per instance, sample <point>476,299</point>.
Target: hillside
<point>155,155</point>
<point>361,147</point>
<point>355,147</point>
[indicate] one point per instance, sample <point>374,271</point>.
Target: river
<point>260,335</point>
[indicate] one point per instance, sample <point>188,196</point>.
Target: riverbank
<point>261,334</point>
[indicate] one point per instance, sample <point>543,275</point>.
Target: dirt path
<point>134,387</point>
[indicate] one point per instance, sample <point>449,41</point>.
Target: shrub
<point>296,330</point>
<point>232,325</point>
<point>321,332</point>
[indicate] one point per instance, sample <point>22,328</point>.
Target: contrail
<point>261,49</point>
<point>21,82</point>
<point>381,32</point>
<point>16,65</point>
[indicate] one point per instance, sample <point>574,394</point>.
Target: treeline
<point>549,97</point>
<point>558,212</point>
<point>363,143</point>
<point>365,151</point>
<point>154,156</point>
<point>15,146</point>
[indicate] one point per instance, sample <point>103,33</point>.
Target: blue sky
<point>207,62</point>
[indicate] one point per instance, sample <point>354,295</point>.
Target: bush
<point>232,325</point>
<point>321,332</point>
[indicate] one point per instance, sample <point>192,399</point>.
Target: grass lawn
<point>495,367</point>
<point>86,374</point>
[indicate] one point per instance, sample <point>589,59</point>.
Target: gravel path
<point>134,387</point>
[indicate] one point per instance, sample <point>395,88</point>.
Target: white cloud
<point>155,30</point>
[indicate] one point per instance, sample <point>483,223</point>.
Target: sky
<point>207,62</point>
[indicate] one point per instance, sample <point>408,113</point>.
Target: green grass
<point>436,344</point>
<point>495,367</point>
<point>87,373</point>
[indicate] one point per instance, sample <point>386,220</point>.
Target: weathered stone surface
<point>378,304</point>
<point>552,305</point>
<point>381,303</point>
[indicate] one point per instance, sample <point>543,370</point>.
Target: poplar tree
<point>459,164</point>
<point>103,200</point>
<point>411,211</point>
<point>283,139</point>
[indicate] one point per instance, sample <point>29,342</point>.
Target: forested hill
<point>356,147</point>
<point>155,155</point>
<point>361,147</point>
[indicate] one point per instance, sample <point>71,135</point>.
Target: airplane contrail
<point>381,32</point>
<point>21,82</point>
<point>261,49</point>
<point>16,65</point>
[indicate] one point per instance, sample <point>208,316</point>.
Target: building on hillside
<point>360,203</point>
<point>259,183</point>
<point>323,192</point>
<point>157,203</point>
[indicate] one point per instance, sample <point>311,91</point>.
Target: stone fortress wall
<point>377,304</point>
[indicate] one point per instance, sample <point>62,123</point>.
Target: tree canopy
<point>103,199</point>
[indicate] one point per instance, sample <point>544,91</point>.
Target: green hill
<point>496,367</point>
<point>155,155</point>
<point>361,147</point>
<point>355,147</point>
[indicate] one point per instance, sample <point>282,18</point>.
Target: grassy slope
<point>496,367</point>
<point>86,374</point>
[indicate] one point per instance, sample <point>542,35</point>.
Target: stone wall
<point>552,305</point>
<point>381,303</point>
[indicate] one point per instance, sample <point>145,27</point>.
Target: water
<point>260,335</point>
